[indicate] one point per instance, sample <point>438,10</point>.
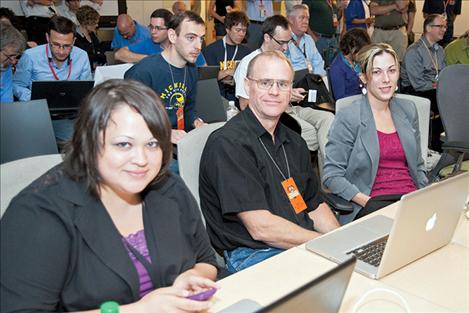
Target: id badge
<point>293,194</point>
<point>262,10</point>
<point>309,66</point>
<point>180,118</point>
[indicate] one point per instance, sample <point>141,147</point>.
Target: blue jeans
<point>243,257</point>
<point>63,129</point>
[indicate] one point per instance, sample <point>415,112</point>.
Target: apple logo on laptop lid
<point>431,223</point>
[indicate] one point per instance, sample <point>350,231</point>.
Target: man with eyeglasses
<point>258,191</point>
<point>226,51</point>
<point>12,44</point>
<point>314,124</point>
<point>421,66</point>
<point>449,9</point>
<point>128,32</point>
<point>56,60</point>
<point>172,74</point>
<point>157,42</point>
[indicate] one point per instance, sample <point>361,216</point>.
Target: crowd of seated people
<point>116,208</point>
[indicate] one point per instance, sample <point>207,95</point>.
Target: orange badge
<point>293,194</point>
<point>180,118</point>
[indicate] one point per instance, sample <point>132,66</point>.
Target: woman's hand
<point>171,299</point>
<point>193,283</point>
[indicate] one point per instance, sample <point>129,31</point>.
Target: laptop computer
<point>427,216</point>
<point>63,96</point>
<point>323,294</point>
<point>208,72</point>
<point>103,73</point>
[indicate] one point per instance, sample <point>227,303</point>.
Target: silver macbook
<point>425,221</point>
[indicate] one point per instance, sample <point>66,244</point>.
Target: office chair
<point>26,130</point>
<point>18,174</point>
<point>190,149</point>
<point>452,97</point>
<point>341,206</point>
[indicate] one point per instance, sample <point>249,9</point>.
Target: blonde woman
<point>373,152</point>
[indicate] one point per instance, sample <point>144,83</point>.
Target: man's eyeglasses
<point>12,57</point>
<point>151,28</point>
<point>440,26</point>
<point>59,46</point>
<point>266,83</point>
<point>280,42</point>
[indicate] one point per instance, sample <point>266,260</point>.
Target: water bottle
<point>231,111</point>
<point>110,307</point>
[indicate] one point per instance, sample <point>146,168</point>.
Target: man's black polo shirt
<point>237,175</point>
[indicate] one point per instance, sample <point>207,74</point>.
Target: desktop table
<point>438,282</point>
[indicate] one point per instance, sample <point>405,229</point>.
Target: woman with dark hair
<point>373,152</point>
<point>86,37</point>
<point>110,222</point>
<point>344,69</point>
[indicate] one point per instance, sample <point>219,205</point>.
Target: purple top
<point>138,241</point>
<point>393,175</point>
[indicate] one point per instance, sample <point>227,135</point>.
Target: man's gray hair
<point>11,37</point>
<point>291,11</point>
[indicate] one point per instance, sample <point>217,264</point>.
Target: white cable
<point>375,290</point>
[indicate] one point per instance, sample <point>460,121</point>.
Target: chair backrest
<point>16,175</point>
<point>190,150</point>
<point>423,110</point>
<point>452,97</point>
<point>26,130</point>
<point>209,102</point>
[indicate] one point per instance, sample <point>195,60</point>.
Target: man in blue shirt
<point>128,32</point>
<point>155,44</point>
<point>302,50</point>
<point>12,44</point>
<point>56,60</point>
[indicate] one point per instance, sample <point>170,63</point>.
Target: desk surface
<point>438,282</point>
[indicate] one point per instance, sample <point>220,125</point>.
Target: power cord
<point>376,290</point>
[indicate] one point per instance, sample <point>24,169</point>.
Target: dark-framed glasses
<point>59,46</point>
<point>267,83</point>
<point>12,57</point>
<point>440,26</point>
<point>280,42</point>
<point>158,28</point>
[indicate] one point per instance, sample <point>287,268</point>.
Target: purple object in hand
<point>204,295</point>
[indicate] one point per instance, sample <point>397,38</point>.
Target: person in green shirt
<point>457,52</point>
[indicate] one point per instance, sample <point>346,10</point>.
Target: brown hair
<point>80,160</point>
<point>367,54</point>
<point>86,15</point>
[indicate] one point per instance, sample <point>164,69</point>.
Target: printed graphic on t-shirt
<point>229,65</point>
<point>174,95</point>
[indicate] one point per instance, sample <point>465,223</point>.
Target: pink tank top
<point>393,174</point>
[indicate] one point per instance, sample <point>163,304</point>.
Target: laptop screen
<point>321,295</point>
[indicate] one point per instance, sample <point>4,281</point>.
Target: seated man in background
<point>56,60</point>
<point>302,50</point>
<point>172,75</point>
<point>249,168</point>
<point>457,52</point>
<point>157,42</point>
<point>225,52</point>
<point>128,32</point>
<point>314,123</point>
<point>178,7</point>
<point>422,64</point>
<point>12,44</point>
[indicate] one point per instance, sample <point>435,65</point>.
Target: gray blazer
<point>352,151</point>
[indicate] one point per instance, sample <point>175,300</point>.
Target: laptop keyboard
<point>372,252</point>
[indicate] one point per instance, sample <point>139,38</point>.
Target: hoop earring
<point>397,88</point>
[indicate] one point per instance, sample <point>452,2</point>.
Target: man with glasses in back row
<point>258,191</point>
<point>156,43</point>
<point>422,64</point>
<point>58,59</point>
<point>12,44</point>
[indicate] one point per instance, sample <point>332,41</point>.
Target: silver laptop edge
<point>426,217</point>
